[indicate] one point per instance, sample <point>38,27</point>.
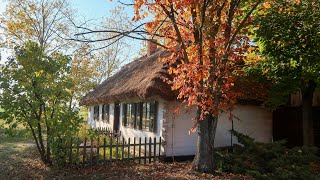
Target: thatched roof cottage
<point>138,103</point>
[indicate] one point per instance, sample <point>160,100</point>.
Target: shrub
<point>267,160</point>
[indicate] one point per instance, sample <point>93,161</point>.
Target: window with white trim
<point>96,113</point>
<point>105,113</point>
<point>141,115</point>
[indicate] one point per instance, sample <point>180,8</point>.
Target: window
<point>149,112</point>
<point>96,113</point>
<point>140,115</point>
<point>131,115</point>
<point>124,114</point>
<point>105,113</point>
<point>152,116</point>
<point>129,112</point>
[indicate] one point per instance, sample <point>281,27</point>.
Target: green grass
<point>10,144</point>
<point>13,149</point>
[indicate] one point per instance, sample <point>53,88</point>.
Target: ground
<point>19,159</point>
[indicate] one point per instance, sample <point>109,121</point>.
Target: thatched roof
<point>251,91</point>
<point>141,78</point>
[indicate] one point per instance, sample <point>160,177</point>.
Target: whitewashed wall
<point>173,127</point>
<point>178,140</point>
<point>254,121</point>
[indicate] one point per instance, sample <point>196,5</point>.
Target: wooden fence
<point>107,131</point>
<point>106,149</point>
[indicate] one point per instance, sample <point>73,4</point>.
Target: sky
<point>94,10</point>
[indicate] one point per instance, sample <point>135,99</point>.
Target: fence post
<point>122,153</point>
<point>117,149</point>
<point>77,153</point>
<point>98,147</point>
<point>160,144</point>
<point>128,149</point>
<point>150,149</point>
<point>139,150</point>
<point>110,148</point>
<point>134,147</point>
<point>70,151</point>
<point>104,149</point>
<point>145,150</point>
<point>154,148</point>
<point>91,149</point>
<point>84,151</point>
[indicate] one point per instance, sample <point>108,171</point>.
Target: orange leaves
<point>266,5</point>
<point>203,65</point>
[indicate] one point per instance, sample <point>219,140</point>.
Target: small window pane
<point>129,109</point>
<point>105,113</point>
<point>124,114</point>
<point>152,116</point>
<point>138,119</point>
<point>133,115</point>
<point>144,117</point>
<point>147,116</point>
<point>96,113</point>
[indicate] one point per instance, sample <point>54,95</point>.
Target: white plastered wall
<point>178,140</point>
<point>254,121</point>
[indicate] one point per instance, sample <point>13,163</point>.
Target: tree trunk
<point>307,120</point>
<point>204,160</point>
<point>37,143</point>
<point>48,146</point>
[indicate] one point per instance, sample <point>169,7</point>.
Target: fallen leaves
<point>27,166</point>
<point>20,160</point>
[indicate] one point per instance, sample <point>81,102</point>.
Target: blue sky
<point>95,9</point>
<point>90,10</point>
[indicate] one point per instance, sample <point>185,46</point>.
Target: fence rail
<point>106,149</point>
<point>107,131</point>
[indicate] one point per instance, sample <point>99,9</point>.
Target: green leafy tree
<point>44,22</point>
<point>36,91</point>
<point>289,37</point>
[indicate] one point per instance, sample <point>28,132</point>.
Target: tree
<point>207,39</point>
<point>93,63</point>
<point>43,22</point>
<point>289,36</point>
<point>49,23</point>
<point>35,93</point>
<point>84,72</point>
<point>109,50</point>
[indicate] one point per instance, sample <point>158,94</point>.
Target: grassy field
<point>14,152</point>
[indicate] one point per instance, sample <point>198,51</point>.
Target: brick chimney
<point>151,47</point>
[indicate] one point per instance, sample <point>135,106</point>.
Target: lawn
<point>19,159</point>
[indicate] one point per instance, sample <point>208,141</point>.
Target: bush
<point>267,160</point>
